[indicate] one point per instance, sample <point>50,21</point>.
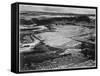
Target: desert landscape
<point>53,40</point>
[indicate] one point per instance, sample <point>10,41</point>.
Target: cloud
<point>57,9</point>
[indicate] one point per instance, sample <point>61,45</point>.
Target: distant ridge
<point>50,13</point>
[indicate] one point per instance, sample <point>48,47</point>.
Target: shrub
<point>83,18</point>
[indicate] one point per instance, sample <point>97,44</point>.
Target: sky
<point>57,9</point>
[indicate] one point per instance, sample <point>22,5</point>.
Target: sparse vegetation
<point>45,56</point>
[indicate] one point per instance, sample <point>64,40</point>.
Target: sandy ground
<point>62,35</point>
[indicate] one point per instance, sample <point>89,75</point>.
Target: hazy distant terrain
<point>56,40</point>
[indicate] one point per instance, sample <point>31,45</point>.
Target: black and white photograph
<point>56,37</point>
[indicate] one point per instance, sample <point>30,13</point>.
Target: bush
<point>83,18</point>
<point>88,50</point>
<point>25,22</point>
